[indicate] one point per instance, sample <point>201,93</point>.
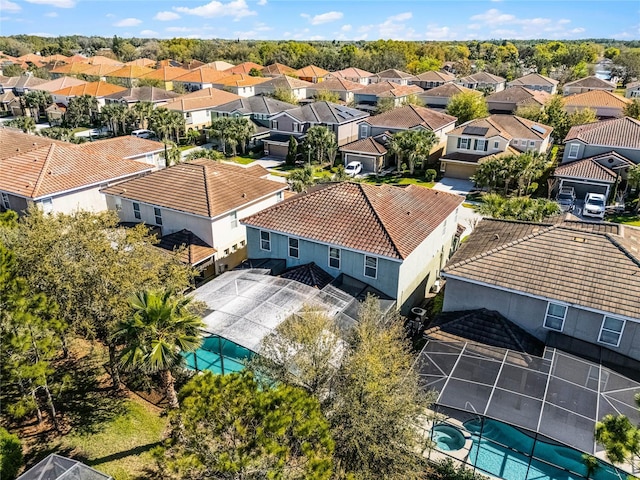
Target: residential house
<point>483,81</point>
<point>432,79</point>
<point>158,96</point>
<point>605,103</point>
<point>352,74</point>
<point>143,62</point>
<point>220,195</point>
<point>620,135</point>
<point>58,176</point>
<point>509,100</point>
<point>55,113</point>
<point>60,83</point>
<point>217,65</point>
<point>587,84</point>
<point>166,75</point>
<point>343,88</point>
<point>367,98</point>
<point>129,75</point>
<point>632,90</point>
<point>536,82</point>
<point>569,284</point>
<point>312,74</point>
<point>102,60</point>
<point>297,87</point>
<point>98,72</point>
<point>189,65</point>
<point>69,69</point>
<point>371,152</point>
<point>96,89</point>
<point>129,147</point>
<point>196,106</point>
<point>25,84</point>
<point>199,79</point>
<point>7,99</point>
<point>341,120</point>
<point>244,68</point>
<point>391,75</point>
<point>475,140</point>
<point>240,84</point>
<point>439,97</point>
<point>403,237</point>
<point>276,70</point>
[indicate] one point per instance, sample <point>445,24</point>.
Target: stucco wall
<point>586,151</point>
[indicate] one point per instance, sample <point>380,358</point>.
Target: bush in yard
<point>10,455</point>
<point>430,175</point>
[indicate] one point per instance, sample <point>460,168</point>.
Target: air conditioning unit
<point>436,286</point>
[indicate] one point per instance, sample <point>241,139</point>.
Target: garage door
<point>368,163</point>
<point>582,189</point>
<point>458,170</point>
<point>274,150</point>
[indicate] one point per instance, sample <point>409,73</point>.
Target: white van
<point>142,133</point>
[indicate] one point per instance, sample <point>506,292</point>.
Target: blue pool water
<point>447,438</point>
<point>489,454</point>
<point>219,356</point>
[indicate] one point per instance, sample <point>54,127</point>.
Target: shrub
<point>10,455</point>
<point>430,175</point>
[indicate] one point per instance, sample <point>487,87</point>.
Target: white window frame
<point>523,142</point>
<point>480,143</point>
<point>335,258</point>
<point>279,196</point>
<point>5,201</point>
<point>564,317</point>
<point>274,124</point>
<point>608,330</point>
<point>573,154</point>
<point>293,249</point>
<point>136,210</point>
<point>157,213</point>
<point>47,205</point>
<point>496,144</point>
<point>374,268</point>
<point>364,130</point>
<point>265,243</point>
<point>234,219</point>
<point>532,143</point>
<point>465,143</point>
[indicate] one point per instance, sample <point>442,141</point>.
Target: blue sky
<point>325,20</point>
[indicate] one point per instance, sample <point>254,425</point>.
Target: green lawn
<point>393,180</point>
<point>626,219</point>
<point>79,129</point>
<point>241,160</point>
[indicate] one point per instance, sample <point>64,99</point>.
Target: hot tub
<point>447,438</point>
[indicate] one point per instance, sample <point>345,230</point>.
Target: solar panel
<point>481,131</point>
<point>538,129</point>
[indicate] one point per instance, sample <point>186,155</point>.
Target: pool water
<point>447,438</point>
<point>219,356</point>
<point>513,464</point>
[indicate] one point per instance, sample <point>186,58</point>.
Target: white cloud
<point>55,3</point>
<point>435,32</point>
<point>316,37</point>
<point>178,29</point>
<point>262,27</point>
<point>51,14</point>
<point>9,7</point>
<point>395,28</point>
<point>498,24</point>
<point>149,33</point>
<point>401,17</point>
<point>166,16</point>
<point>110,15</point>
<point>345,28</point>
<point>128,22</point>
<point>494,17</point>
<point>41,34</point>
<point>236,9</point>
<point>577,30</point>
<point>326,18</point>
<point>262,2</point>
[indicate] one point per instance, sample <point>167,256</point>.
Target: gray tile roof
<point>326,112</point>
<point>143,94</point>
<point>587,168</point>
<point>411,116</point>
<point>620,132</point>
<point>256,104</point>
<point>591,82</point>
<point>533,79</point>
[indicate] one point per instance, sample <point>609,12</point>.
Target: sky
<point>325,20</point>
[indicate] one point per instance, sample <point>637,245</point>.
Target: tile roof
<point>277,69</point>
<point>101,70</point>
<point>389,89</point>
<point>207,188</point>
<point>352,72</point>
<point>620,132</point>
<point>337,85</point>
<point>533,79</point>
<point>326,112</point>
<point>35,167</point>
<point>243,68</point>
<point>60,83</point>
<point>392,73</point>
<point>591,265</point>
<point>311,71</point>
<point>126,146</point>
<point>74,68</point>
<point>102,60</point>
<point>596,99</point>
<point>286,82</point>
<point>143,94</point>
<point>520,96</point>
<point>195,250</point>
<point>218,65</point>
<point>632,85</point>
<point>309,274</point>
<point>366,145</point>
<point>190,65</point>
<point>481,77</point>
<point>382,220</point>
<point>131,71</point>
<point>506,126</point>
<point>255,104</point>
<point>166,74</point>
<point>240,80</point>
<point>586,168</point>
<point>411,116</point>
<point>435,76</point>
<point>78,59</point>
<point>143,62</point>
<point>448,90</point>
<point>201,99</point>
<point>591,82</point>
<point>202,75</point>
<point>95,89</point>
<point>29,81</point>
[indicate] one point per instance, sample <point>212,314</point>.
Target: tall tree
<point>414,146</point>
<point>292,151</point>
<point>318,140</point>
<point>620,438</point>
<point>161,328</point>
<point>81,111</point>
<point>26,124</point>
<point>143,112</point>
<point>467,106</point>
<point>517,208</point>
<point>632,109</point>
<point>300,179</point>
<point>37,101</point>
<point>634,180</point>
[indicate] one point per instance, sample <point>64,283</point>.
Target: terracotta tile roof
<point>579,263</point>
<point>243,68</point>
<point>533,79</point>
<point>190,65</point>
<point>201,75</point>
<point>392,73</point>
<point>309,274</point>
<point>448,90</point>
<point>131,71</point>
<point>195,250</point>
<point>326,112</point>
<point>481,77</point>
<point>277,69</point>
<point>142,62</point>
<point>126,146</point>
<point>74,68</point>
<point>596,99</point>
<point>96,89</point>
<point>285,82</point>
<point>336,85</point>
<point>385,220</point>
<point>255,104</point>
<point>312,71</point>
<point>506,126</point>
<point>102,60</point>
<point>78,59</point>
<point>435,76</point>
<point>205,98</point>
<point>591,82</point>
<point>519,96</point>
<point>60,83</point>
<point>586,168</point>
<point>411,116</point>
<point>166,74</point>
<point>218,65</point>
<point>240,80</point>
<point>366,145</point>
<point>389,89</point>
<point>351,72</point>
<point>621,132</point>
<point>143,94</point>
<point>35,167</point>
<point>208,188</point>
<point>101,70</point>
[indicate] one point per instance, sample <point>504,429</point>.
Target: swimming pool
<point>447,438</point>
<point>506,452</point>
<point>218,355</point>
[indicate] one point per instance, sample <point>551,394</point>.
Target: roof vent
<point>244,195</point>
<point>496,236</point>
<point>579,239</point>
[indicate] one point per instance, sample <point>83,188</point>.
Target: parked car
<point>594,205</point>
<point>353,168</point>
<point>142,133</point>
<point>566,198</point>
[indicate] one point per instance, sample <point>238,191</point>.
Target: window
<point>573,150</point>
<point>235,247</point>
<point>370,266</point>
<point>523,143</point>
<point>611,331</point>
<point>444,228</point>
<point>148,158</point>
<point>532,144</point>
<point>554,320</point>
<point>334,257</point>
<point>234,219</point>
<point>294,247</point>
<point>480,145</point>
<point>464,143</point>
<point>265,241</point>
<point>136,210</point>
<point>279,196</point>
<point>226,251</point>
<point>364,130</point>
<point>242,243</point>
<point>496,145</point>
<point>158,214</point>
<point>5,201</point>
<point>274,124</point>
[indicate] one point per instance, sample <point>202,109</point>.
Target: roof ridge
<point>623,249</point>
<point>380,221</point>
<point>43,170</point>
<point>207,187</point>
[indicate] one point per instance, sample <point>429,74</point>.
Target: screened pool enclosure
<point>56,467</point>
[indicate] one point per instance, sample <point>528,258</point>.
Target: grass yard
<point>627,219</point>
<point>241,160</point>
<point>393,180</point>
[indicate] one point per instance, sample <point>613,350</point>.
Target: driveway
<point>454,185</point>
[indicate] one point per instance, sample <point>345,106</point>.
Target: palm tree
<point>160,122</point>
<point>26,124</point>
<point>160,329</point>
<point>319,139</point>
<point>300,179</point>
<point>143,112</point>
<point>219,130</point>
<point>245,131</point>
<point>115,115</point>
<point>634,180</point>
<point>421,143</point>
<point>37,101</point>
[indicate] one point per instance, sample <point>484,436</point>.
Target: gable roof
<point>586,168</point>
<point>591,82</point>
<point>448,90</point>
<point>240,80</point>
<point>506,126</point>
<point>142,62</point>
<point>95,89</point>
<point>101,70</point>
<point>325,112</point>
<point>351,72</point>
<point>28,81</point>
<point>243,68</point>
<point>336,84</point>
<point>102,60</point>
<point>366,145</point>
<point>382,220</point>
<point>481,77</point>
<point>201,99</point>
<point>277,69</point>
<point>311,71</point>
<point>593,265</point>
<point>392,73</point>
<point>255,104</point>
<point>389,89</point>
<point>411,116</point>
<point>143,94</point>
<point>201,75</point>
<point>218,65</point>
<point>620,132</point>
<point>435,76</point>
<point>286,82</point>
<point>309,274</point>
<point>520,96</point>
<point>131,71</point>
<point>73,68</point>
<point>209,188</point>
<point>166,73</point>
<point>36,167</point>
<point>126,146</point>
<point>596,99</point>
<point>533,79</point>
